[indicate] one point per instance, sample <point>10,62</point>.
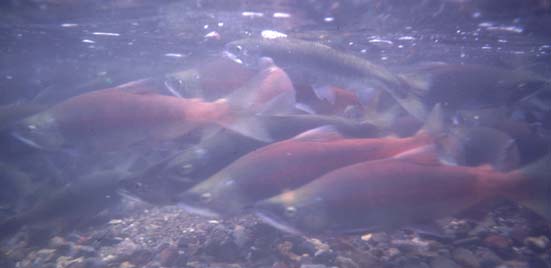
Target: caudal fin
<point>534,190</point>
<point>249,126</point>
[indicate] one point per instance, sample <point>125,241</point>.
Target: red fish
<point>330,100</point>
<point>113,118</point>
<point>285,165</point>
<point>211,79</point>
<point>408,189</point>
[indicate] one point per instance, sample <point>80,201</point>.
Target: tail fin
<point>477,146</point>
<point>270,91</point>
<point>536,190</point>
<point>249,126</point>
<point>434,124</point>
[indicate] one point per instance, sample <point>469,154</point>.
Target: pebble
<point>313,266</point>
<point>538,244</point>
<point>220,244</point>
<point>501,244</point>
<point>344,262</point>
<point>488,258</point>
<point>443,262</point>
<point>465,257</point>
<point>168,255</point>
<point>467,241</point>
<point>326,256</point>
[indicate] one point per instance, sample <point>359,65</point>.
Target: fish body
<point>288,164</point>
<point>211,79</point>
<point>328,100</point>
<point>392,193</point>
<point>112,118</point>
<point>83,197</point>
<point>315,63</point>
<point>468,86</point>
<point>172,176</point>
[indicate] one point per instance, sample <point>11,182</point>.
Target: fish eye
<point>290,211</point>
<point>235,49</point>
<point>206,197</point>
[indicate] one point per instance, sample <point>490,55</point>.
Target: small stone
<point>241,236</point>
<point>497,241</point>
<point>344,262</point>
<point>57,242</point>
<point>366,237</point>
<point>515,264</point>
<point>465,257</point>
<point>502,245</point>
<point>220,244</point>
<point>408,261</point>
<point>443,262</point>
<point>467,241</point>
<point>487,258</point>
<point>126,265</point>
<point>325,256</point>
<point>168,255</point>
<point>538,244</point>
<point>45,255</point>
<point>380,237</point>
<point>390,253</point>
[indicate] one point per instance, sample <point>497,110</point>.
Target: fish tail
<point>247,125</point>
<point>435,123</point>
<point>534,186</point>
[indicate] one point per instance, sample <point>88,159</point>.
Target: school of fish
<point>309,138</point>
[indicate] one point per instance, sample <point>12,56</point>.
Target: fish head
<point>39,131</point>
<point>309,215</point>
<point>215,196</point>
<point>188,163</point>
<point>243,52</point>
<point>184,84</point>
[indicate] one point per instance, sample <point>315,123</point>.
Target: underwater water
<point>181,133</point>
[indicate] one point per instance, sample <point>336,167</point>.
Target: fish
<point>83,197</point>
<point>268,91</point>
<point>469,86</point>
<point>329,100</point>
<point>315,63</point>
<point>163,181</point>
<point>210,79</point>
<point>530,138</point>
<point>405,190</point>
<point>14,112</point>
<point>285,165</point>
<point>111,119</point>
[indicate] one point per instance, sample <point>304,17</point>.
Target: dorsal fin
<point>323,133</point>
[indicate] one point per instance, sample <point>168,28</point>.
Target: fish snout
<point>36,136</point>
<point>277,215</point>
<point>239,54</point>
<point>197,203</point>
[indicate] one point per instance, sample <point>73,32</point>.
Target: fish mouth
<point>201,211</point>
<point>26,140</point>
<point>276,222</point>
<point>232,57</point>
